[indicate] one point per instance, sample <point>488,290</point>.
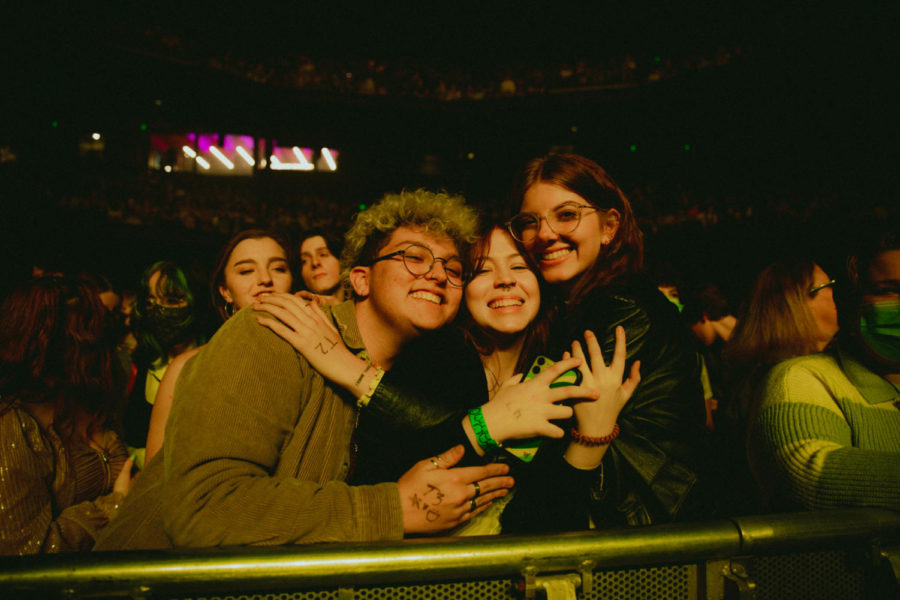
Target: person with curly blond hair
<point>258,445</point>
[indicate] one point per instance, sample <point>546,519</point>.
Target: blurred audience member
<point>252,263</point>
<point>320,268</point>
<point>828,430</point>
<point>791,312</point>
<point>166,324</point>
<point>62,472</point>
<point>709,318</point>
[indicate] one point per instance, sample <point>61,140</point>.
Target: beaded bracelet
<point>476,418</point>
<point>584,440</point>
<point>363,400</point>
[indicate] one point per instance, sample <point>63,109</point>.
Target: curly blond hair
<point>438,213</point>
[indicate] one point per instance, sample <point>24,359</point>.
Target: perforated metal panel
<point>812,576</point>
<point>670,582</point>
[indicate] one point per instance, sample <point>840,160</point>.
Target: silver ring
<point>472,505</point>
<point>434,462</point>
<point>477,489</point>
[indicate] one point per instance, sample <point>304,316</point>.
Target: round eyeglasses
<point>564,219</point>
<point>419,260</point>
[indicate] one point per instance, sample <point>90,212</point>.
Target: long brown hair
<point>537,332</point>
<point>53,349</point>
<point>624,255</point>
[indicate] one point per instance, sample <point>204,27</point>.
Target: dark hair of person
<point>537,332</point>
<point>172,285</point>
<point>53,350</point>
<point>701,299</point>
<point>624,255</point>
<point>218,275</point>
<point>333,241</point>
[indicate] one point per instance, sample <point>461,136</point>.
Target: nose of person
<point>545,232</point>
<point>503,278</point>
<point>438,273</point>
<point>264,277</point>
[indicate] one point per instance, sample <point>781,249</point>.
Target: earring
<point>229,309</point>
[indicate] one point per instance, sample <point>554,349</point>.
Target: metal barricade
<point>841,554</point>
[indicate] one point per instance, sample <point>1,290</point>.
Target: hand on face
<point>435,496</point>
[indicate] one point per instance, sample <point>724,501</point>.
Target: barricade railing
<point>848,553</point>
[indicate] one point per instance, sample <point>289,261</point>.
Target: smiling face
<point>402,305</point>
<point>319,268</point>
<point>563,257</point>
<point>821,305</point>
<point>503,296</point>
<point>255,267</point>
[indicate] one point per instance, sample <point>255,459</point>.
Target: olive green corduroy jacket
<point>256,451</point>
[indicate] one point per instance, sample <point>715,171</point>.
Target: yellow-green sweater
<point>827,435</point>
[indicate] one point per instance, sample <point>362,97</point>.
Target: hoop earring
<point>229,309</point>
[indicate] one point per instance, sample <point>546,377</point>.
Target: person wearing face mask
<point>828,430</point>
<point>166,324</point>
<point>252,264</point>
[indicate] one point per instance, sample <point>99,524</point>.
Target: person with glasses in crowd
<point>258,445</point>
<point>462,384</point>
<point>827,430</point>
<point>579,228</point>
<point>790,312</point>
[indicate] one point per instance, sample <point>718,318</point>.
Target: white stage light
<point>203,162</point>
<point>326,154</point>
<point>188,151</point>
<point>245,155</point>
<point>222,158</point>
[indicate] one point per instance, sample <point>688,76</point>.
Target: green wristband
<point>476,418</point>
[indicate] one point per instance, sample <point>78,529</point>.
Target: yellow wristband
<point>363,400</point>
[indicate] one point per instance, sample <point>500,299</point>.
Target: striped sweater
<point>827,435</point>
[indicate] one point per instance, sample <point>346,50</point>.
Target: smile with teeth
<point>427,296</point>
<point>556,254</point>
<point>506,302</point>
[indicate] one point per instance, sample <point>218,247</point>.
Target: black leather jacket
<point>649,474</point>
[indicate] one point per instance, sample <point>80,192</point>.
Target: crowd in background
<point>448,81</point>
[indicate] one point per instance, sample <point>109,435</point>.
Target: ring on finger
<point>472,505</point>
<point>477,489</point>
<point>434,462</point>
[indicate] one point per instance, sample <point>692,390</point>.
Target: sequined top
<point>53,497</point>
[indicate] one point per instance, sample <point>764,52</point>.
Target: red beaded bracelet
<point>594,441</point>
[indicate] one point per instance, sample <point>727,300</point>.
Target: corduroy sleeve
<point>238,405</point>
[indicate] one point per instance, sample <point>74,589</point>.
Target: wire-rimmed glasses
<point>419,260</point>
<point>563,219</point>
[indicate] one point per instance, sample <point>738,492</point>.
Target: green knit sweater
<point>827,435</point>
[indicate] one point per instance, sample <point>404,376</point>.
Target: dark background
<point>808,112</point>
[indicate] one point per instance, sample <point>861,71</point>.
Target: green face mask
<point>879,326</point>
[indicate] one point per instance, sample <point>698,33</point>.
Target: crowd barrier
<point>841,554</point>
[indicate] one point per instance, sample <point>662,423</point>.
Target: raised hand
<point>435,496</point>
<point>524,409</point>
<point>598,417</point>
<point>305,326</point>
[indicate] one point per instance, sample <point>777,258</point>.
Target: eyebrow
<point>409,243</point>
<point>252,261</point>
